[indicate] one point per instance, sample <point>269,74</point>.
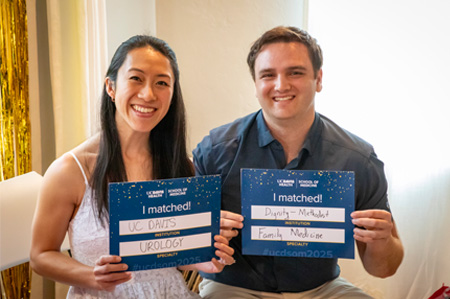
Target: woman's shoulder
<point>85,154</point>
<point>63,182</point>
<point>69,172</point>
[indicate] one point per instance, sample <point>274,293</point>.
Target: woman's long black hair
<point>167,140</point>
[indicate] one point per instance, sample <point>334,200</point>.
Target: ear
<point>319,81</point>
<point>109,84</point>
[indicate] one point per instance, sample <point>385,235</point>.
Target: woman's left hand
<point>225,254</point>
<point>230,223</point>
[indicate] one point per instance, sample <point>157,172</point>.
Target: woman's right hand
<point>109,273</point>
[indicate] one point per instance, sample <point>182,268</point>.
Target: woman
<point>142,138</point>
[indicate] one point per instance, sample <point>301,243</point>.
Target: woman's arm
<point>60,194</point>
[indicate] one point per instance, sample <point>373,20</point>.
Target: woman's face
<point>143,90</point>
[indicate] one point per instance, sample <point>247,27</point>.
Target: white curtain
<point>386,78</point>
<point>96,51</point>
<point>78,61</point>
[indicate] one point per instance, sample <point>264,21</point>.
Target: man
<point>287,133</point>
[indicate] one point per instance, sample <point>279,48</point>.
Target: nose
<point>282,83</point>
<point>146,93</point>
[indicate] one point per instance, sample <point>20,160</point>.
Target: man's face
<point>285,83</point>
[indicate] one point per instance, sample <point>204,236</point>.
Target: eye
<point>135,78</point>
<point>266,75</point>
<point>296,73</point>
<point>162,83</point>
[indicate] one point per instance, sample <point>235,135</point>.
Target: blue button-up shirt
<point>248,143</point>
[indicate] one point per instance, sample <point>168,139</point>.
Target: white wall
<point>386,78</point>
<point>211,40</point>
<point>127,18</point>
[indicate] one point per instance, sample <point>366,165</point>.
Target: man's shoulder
<point>216,152</point>
<point>232,131</point>
<point>336,135</point>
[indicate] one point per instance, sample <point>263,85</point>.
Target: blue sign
<point>298,213</point>
<point>164,223</point>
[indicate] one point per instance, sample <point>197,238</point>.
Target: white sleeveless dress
<point>89,240</point>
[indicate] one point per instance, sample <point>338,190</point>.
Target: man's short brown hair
<point>286,35</point>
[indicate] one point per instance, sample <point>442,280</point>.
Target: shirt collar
<point>313,135</point>
<point>265,137</point>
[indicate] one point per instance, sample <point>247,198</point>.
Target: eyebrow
<point>297,67</point>
<point>291,68</point>
<point>133,69</point>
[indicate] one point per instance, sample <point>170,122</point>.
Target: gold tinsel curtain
<point>14,119</point>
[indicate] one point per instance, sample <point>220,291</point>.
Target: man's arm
<point>378,242</point>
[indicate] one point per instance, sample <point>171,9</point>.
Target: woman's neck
<point>136,156</point>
